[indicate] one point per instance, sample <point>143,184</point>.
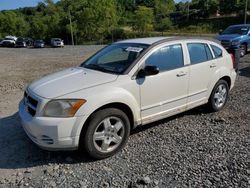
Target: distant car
<point>129,83</point>
<point>236,37</point>
<point>39,44</point>
<point>57,42</point>
<point>21,42</point>
<point>8,41</point>
<point>29,41</point>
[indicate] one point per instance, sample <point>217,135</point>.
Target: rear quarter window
<point>217,51</point>
<point>199,52</point>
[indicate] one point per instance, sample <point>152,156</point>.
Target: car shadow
<point>18,151</point>
<point>245,72</point>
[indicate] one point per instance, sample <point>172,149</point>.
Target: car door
<point>165,93</point>
<point>202,67</point>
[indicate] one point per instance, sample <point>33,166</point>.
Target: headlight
<point>63,108</point>
<point>235,43</point>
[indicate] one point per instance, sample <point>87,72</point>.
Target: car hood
<point>229,37</point>
<point>68,81</point>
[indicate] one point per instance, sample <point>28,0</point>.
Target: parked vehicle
<point>29,41</point>
<point>21,42</point>
<point>129,83</point>
<point>39,44</point>
<point>8,41</point>
<point>235,37</point>
<point>57,42</point>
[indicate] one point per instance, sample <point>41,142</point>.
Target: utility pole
<point>245,19</point>
<point>71,29</point>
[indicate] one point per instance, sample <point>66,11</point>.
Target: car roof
<point>158,40</point>
<point>148,40</point>
<point>240,25</point>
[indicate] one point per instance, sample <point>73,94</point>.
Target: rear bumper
<point>50,133</point>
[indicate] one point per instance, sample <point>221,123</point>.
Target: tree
<point>164,24</point>
<point>162,10</point>
<point>13,24</point>
<point>143,21</point>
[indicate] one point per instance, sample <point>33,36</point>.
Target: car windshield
<point>20,39</point>
<point>115,58</point>
<point>236,30</point>
<point>38,41</point>
<point>8,39</point>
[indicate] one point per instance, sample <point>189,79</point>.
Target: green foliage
<point>99,20</point>
<point>163,8</point>
<point>143,20</point>
<point>163,25</point>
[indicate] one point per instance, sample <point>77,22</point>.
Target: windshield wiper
<point>98,67</point>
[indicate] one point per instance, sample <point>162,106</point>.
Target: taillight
<point>233,60</point>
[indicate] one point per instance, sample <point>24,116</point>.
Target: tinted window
<point>217,51</point>
<point>199,52</point>
<point>167,58</point>
<point>241,30</point>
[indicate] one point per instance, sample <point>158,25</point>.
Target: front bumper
<point>50,133</point>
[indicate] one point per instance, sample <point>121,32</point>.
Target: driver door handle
<point>212,65</point>
<point>181,74</point>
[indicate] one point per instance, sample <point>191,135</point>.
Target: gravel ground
<point>193,149</point>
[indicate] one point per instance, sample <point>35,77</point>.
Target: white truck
<point>8,41</point>
<point>57,42</point>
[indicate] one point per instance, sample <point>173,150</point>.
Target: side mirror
<point>220,31</point>
<point>148,71</point>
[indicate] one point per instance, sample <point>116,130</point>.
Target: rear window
<point>199,52</point>
<point>217,51</point>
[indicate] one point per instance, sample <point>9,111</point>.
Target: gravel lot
<point>193,149</point>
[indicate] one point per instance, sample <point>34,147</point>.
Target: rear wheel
<point>107,133</point>
<point>219,96</point>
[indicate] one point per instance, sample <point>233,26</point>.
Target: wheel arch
<point>226,78</point>
<point>118,105</point>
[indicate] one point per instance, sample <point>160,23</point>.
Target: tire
<point>243,50</point>
<point>106,134</point>
<point>219,96</point>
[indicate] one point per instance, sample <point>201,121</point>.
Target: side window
<point>167,58</point>
<point>199,52</point>
<point>217,51</point>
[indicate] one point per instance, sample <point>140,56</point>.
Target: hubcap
<point>108,134</point>
<point>220,96</point>
<point>243,50</point>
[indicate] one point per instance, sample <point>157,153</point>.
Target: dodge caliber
<point>134,82</point>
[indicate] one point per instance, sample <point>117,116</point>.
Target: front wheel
<point>243,50</point>
<point>107,133</point>
<point>219,96</point>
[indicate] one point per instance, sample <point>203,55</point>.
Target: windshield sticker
<point>134,49</point>
<point>243,29</point>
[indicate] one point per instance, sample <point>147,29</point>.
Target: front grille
<point>225,43</point>
<point>31,111</point>
<point>47,140</point>
<point>30,103</point>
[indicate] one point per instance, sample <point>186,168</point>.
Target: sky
<point>13,4</point>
